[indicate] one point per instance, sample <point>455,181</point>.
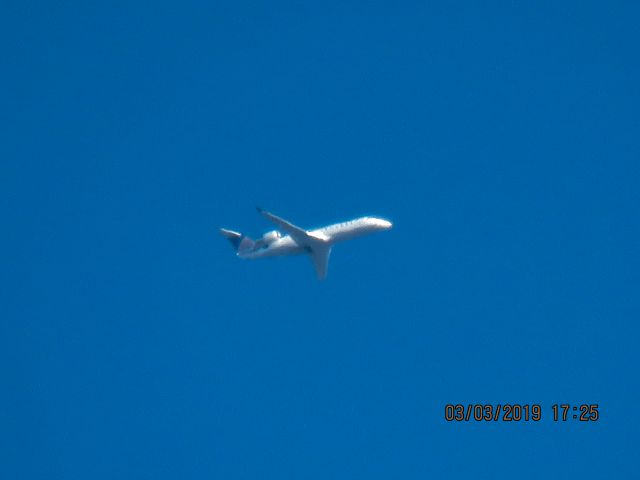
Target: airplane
<point>316,243</point>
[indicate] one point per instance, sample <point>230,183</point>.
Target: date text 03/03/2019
<point>516,412</point>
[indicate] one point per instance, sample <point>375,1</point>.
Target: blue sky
<point>500,138</point>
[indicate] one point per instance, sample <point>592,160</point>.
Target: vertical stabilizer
<point>240,242</point>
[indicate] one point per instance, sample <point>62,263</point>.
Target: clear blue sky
<point>502,138</point>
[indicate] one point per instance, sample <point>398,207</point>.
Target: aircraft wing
<point>320,259</point>
<point>301,236</point>
<point>316,244</point>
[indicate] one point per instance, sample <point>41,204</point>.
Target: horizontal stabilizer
<point>240,242</point>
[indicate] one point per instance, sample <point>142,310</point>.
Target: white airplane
<point>317,243</point>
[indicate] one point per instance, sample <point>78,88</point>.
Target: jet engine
<point>271,236</point>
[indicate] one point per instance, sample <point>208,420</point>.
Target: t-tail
<point>241,243</point>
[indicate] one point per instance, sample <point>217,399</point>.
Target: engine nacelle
<point>271,236</point>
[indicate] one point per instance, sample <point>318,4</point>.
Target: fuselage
<point>331,234</point>
<point>339,232</point>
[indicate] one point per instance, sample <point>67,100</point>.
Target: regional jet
<point>295,240</point>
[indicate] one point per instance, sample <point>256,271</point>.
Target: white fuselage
<point>331,234</point>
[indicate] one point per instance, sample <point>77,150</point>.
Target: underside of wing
<point>316,244</point>
<point>300,235</point>
<point>320,258</point>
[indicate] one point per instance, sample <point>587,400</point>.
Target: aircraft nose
<point>386,224</point>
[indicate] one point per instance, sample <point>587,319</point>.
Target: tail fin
<point>240,242</point>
